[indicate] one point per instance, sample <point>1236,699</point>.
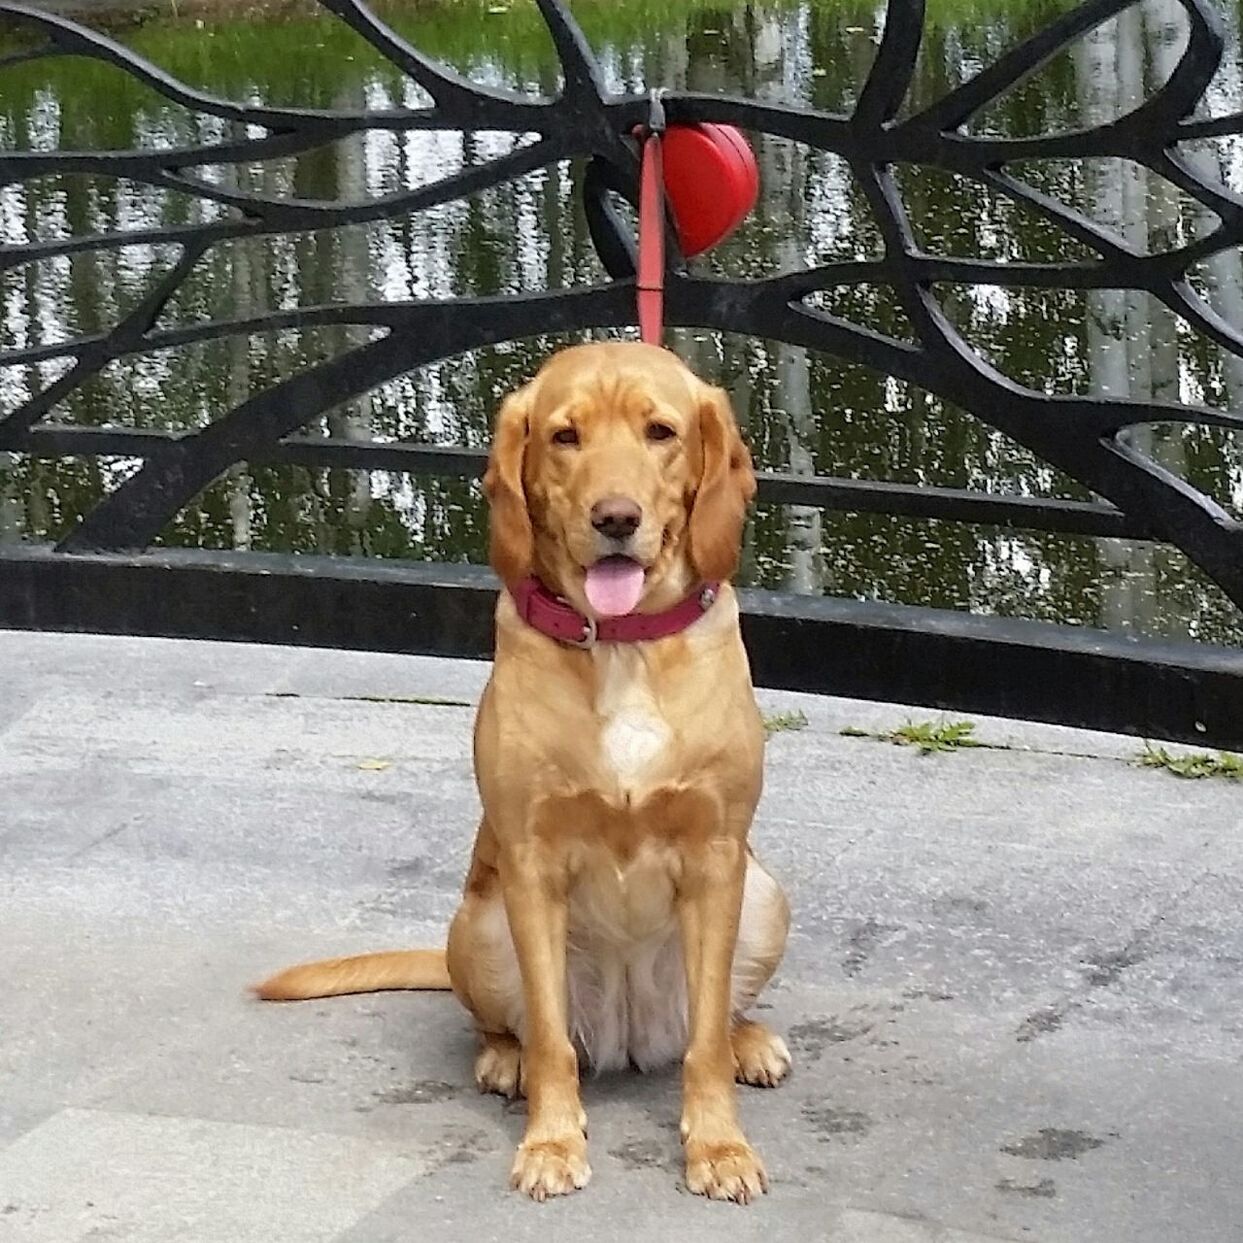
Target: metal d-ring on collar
<point>590,633</point>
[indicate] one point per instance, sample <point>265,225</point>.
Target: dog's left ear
<point>511,544</point>
<point>726,487</point>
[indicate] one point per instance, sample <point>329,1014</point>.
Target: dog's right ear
<point>511,545</point>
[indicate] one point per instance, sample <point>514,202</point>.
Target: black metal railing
<point>105,575</point>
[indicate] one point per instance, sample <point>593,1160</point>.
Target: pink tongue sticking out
<point>614,586</point>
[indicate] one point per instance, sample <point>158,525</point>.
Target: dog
<point>613,911</point>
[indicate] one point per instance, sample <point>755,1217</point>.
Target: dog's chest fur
<point>626,978</point>
<point>632,731</point>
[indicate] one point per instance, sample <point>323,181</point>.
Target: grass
<point>927,736</point>
<point>784,722</point>
<point>1194,765</point>
<point>930,737</point>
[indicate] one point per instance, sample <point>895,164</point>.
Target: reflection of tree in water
<point>1132,347</point>
<point>805,414</point>
<point>778,46</point>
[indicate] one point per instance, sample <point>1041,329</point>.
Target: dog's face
<point>619,478</point>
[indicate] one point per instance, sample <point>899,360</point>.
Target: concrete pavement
<point>1013,991</point>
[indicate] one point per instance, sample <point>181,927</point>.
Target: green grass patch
<point>784,723</point>
<point>1194,765</point>
<point>927,736</point>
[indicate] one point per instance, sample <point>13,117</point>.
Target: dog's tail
<point>363,973</point>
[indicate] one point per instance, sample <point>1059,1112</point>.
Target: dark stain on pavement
<point>1052,1144</point>
<point>1045,1189</point>
<point>1105,968</point>
<point>409,869</point>
<point>1042,1022</point>
<point>421,1092</point>
<point>813,1035</point>
<point>863,942</point>
<point>832,1124</point>
<point>463,1147</point>
<point>643,1154</point>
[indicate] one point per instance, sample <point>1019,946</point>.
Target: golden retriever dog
<point>613,912</point>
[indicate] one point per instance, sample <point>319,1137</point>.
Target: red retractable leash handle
<point>703,176</point>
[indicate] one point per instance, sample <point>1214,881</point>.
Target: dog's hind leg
<point>761,1057</point>
<point>498,1067</point>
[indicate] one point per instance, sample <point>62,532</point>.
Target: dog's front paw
<point>550,1167</point>
<point>725,1170</point>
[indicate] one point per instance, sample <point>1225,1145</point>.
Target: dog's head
<point>619,478</point>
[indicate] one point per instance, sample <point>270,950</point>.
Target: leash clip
<point>656,122</point>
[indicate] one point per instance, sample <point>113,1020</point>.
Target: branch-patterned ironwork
<point>1084,437</point>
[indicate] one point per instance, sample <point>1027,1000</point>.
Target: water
<point>805,413</point>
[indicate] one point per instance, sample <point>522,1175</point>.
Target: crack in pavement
<point>1102,969</point>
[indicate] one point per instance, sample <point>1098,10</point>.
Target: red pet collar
<point>560,620</point>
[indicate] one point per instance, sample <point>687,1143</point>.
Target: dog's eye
<point>660,431</point>
<point>565,436</point>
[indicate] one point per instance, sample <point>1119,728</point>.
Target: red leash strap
<point>651,282</point>
<point>651,285</point>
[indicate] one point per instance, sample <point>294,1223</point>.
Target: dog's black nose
<point>617,517</point>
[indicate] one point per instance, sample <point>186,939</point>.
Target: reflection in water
<point>805,413</point>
